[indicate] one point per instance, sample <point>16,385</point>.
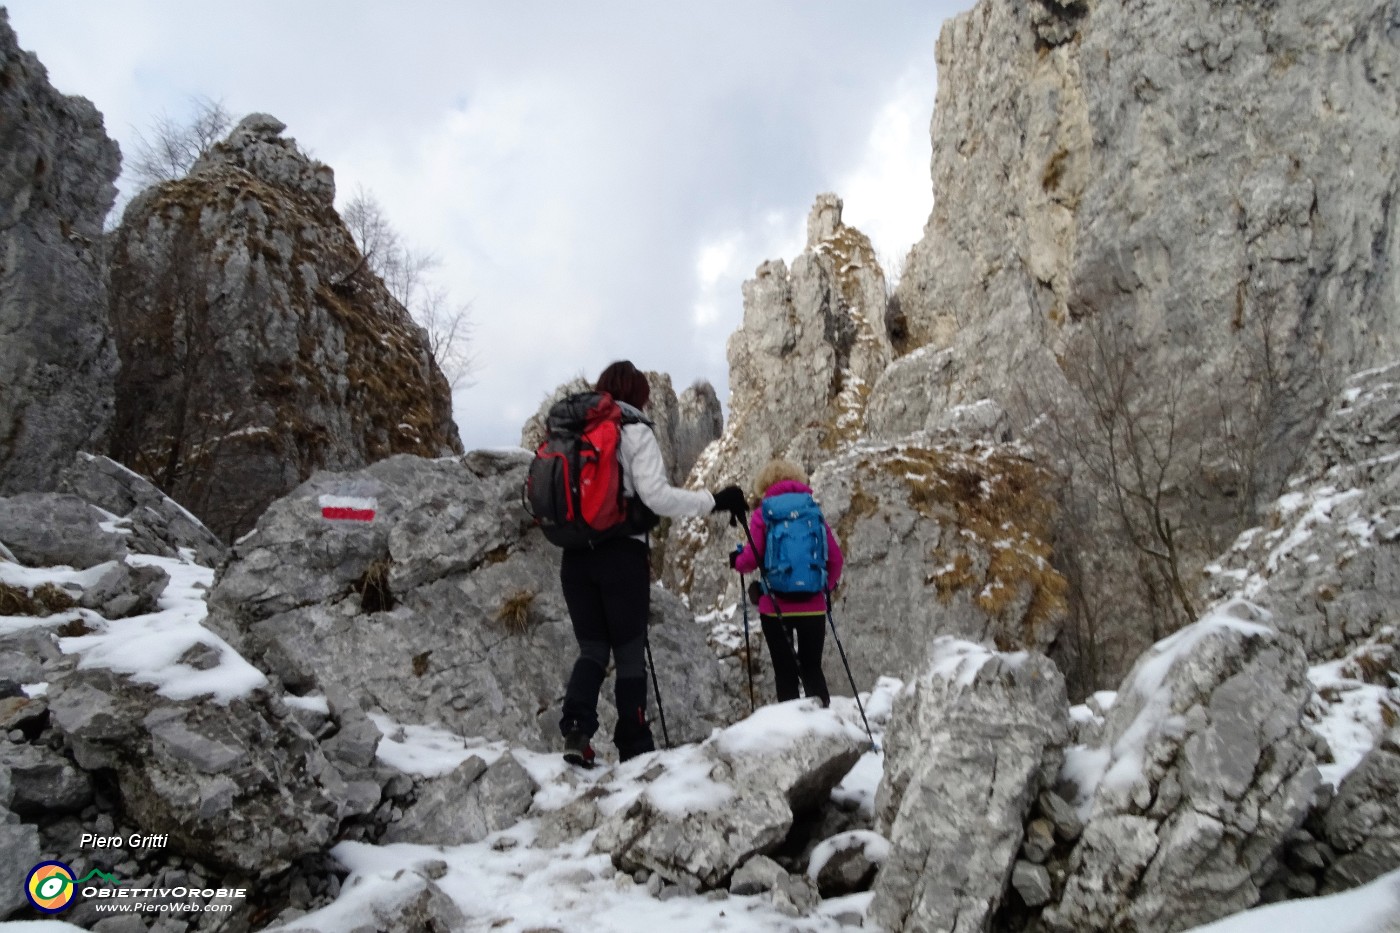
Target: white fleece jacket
<point>644,475</point>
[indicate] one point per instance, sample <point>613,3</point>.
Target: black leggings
<point>807,665</point>
<point>608,591</point>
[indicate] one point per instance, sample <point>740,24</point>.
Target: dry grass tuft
<point>53,598</point>
<point>515,611</point>
<point>74,629</point>
<point>373,587</point>
<point>16,601</point>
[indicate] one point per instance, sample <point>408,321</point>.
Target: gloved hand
<point>755,591</point>
<point>731,499</point>
<point>734,556</point>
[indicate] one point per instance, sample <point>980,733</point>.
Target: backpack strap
<point>632,415</point>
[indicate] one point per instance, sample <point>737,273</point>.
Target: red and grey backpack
<point>574,488</point>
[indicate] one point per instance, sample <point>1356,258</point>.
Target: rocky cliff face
<point>57,358</point>
<point>1153,199</point>
<point>261,347</point>
<point>1174,165</point>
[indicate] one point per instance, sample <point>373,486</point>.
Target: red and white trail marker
<point>348,508</point>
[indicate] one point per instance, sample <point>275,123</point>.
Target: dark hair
<point>625,383</point>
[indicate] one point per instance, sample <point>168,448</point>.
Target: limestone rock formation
<point>1326,560</point>
<point>58,359</point>
<point>939,538</point>
<point>444,608</point>
<point>1162,180</point>
<point>971,743</point>
<point>699,422</point>
<point>801,366</point>
<point>1176,165</point>
<point>260,347</point>
<point>1203,772</point>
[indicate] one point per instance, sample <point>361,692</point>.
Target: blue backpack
<point>794,551</point>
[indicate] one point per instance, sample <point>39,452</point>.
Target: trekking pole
<point>842,651</point>
<point>748,658</point>
<point>656,688</point>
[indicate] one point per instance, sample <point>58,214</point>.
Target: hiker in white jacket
<point>607,585</point>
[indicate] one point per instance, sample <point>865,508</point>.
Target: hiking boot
<point>578,750</point>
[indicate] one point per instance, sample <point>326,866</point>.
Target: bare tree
<point>1127,449</point>
<point>174,146</point>
<point>406,273</point>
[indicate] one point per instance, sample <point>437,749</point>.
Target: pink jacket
<point>748,561</point>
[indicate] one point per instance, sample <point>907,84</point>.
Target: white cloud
<point>889,194</point>
<point>598,181</point>
<point>713,267</point>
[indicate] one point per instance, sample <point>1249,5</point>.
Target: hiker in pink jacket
<point>802,618</point>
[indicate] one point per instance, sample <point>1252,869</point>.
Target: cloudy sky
<point>596,179</point>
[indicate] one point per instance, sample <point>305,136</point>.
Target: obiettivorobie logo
<point>50,885</point>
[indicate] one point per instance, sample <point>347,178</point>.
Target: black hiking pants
<point>608,591</point>
<point>806,665</point>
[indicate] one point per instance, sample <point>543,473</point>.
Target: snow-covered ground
<point>1373,908</point>
<point>503,883</point>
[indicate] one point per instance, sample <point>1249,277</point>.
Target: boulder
<point>757,875</point>
<point>410,903</point>
<point>970,744</point>
<point>445,607</point>
<point>152,522</point>
<point>847,862</point>
<point>58,359</point>
<point>56,529</point>
<point>466,804</point>
<point>1032,883</point>
<point>705,810</point>
<point>238,785</point>
<point>1204,772</point>
<point>260,347</point>
<point>940,538</point>
<point>42,781</point>
<point>125,590</point>
<point>19,853</point>
<point>1361,824</point>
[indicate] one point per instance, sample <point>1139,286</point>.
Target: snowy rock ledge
<point>1203,772</point>
<point>709,808</point>
<point>970,745</point>
<point>1326,561</point>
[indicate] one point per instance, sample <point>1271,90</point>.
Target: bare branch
<point>174,146</point>
<point>406,273</point>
